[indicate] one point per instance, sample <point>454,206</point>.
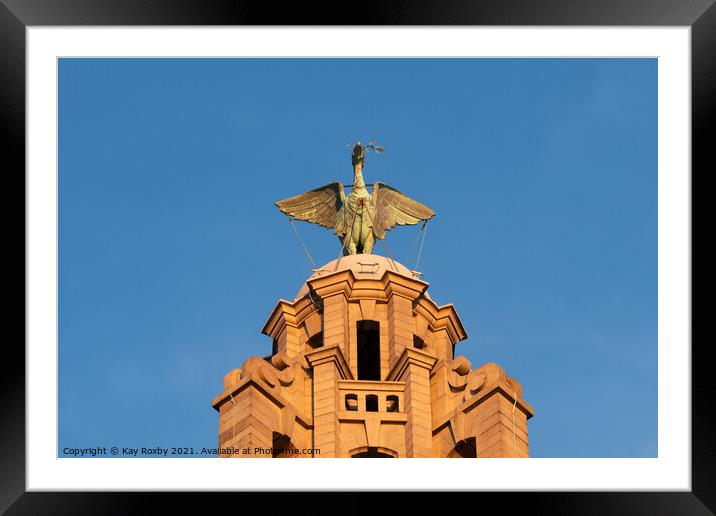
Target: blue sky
<point>543,174</point>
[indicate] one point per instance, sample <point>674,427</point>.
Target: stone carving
<point>361,217</point>
<point>462,379</point>
<point>281,369</point>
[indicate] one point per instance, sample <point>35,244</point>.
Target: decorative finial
<point>359,218</point>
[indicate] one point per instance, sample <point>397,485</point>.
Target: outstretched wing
<point>392,208</point>
<point>323,206</point>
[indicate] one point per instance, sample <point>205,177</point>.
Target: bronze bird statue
<point>361,217</point>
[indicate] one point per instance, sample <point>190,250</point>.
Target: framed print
<point>544,316</point>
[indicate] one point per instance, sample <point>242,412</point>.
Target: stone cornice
<point>442,317</point>
<point>280,316</point>
<point>368,289</point>
<point>338,283</point>
<point>397,284</point>
<point>371,385</point>
<point>327,355</point>
<point>246,383</point>
<point>287,313</point>
<point>381,417</point>
<point>468,405</point>
<point>410,356</point>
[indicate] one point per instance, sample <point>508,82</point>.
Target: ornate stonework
<point>363,365</point>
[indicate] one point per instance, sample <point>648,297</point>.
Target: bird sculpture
<point>361,217</point>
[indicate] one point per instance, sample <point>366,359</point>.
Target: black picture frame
<point>17,15</point>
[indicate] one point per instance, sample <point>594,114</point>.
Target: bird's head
<point>358,154</point>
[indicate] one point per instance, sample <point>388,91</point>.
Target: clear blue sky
<point>543,174</point>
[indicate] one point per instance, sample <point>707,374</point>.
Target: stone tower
<point>363,365</point>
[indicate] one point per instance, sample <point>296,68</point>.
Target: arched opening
<point>418,342</point>
<point>371,403</point>
<point>351,401</point>
<point>392,403</point>
<point>315,342</point>
<point>282,447</point>
<point>372,453</point>
<point>465,449</point>
<point>368,350</point>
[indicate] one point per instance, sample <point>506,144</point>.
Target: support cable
<point>418,234</point>
<point>305,249</point>
<point>424,231</point>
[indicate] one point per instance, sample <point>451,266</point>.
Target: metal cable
<point>415,242</point>
<point>305,249</point>
<point>420,252</point>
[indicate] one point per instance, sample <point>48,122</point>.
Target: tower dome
<point>363,266</point>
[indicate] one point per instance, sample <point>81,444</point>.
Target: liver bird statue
<point>361,217</point>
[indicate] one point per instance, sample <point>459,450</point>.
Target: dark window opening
<point>392,404</point>
<point>351,402</point>
<point>282,446</point>
<point>316,341</point>
<point>418,342</point>
<point>371,403</point>
<point>466,448</point>
<point>368,350</point>
<point>372,453</point>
